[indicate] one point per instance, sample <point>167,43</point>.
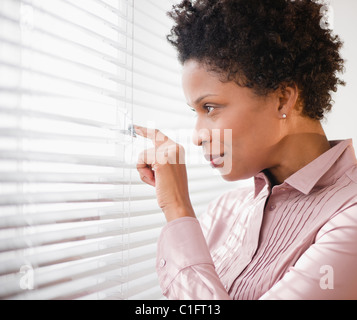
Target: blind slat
<point>55,254</point>
<point>74,159</point>
<point>146,283</point>
<point>21,91</point>
<point>76,178</point>
<point>84,196</point>
<point>136,102</point>
<point>65,158</point>
<point>95,231</point>
<point>58,117</point>
<point>87,214</point>
<point>30,134</point>
<point>68,197</point>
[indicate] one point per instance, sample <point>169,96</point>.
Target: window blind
<point>76,222</point>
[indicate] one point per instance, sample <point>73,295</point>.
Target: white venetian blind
<point>76,222</point>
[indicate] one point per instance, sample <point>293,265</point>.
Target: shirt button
<point>162,263</point>
<point>272,207</point>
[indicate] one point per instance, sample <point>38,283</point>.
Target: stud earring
<point>284,116</point>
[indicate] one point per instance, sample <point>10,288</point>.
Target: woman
<point>264,70</point>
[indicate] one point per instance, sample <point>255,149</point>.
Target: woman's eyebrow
<point>199,99</point>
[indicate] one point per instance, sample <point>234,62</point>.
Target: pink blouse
<point>297,240</point>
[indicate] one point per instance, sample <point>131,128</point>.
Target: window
<point>76,222</point>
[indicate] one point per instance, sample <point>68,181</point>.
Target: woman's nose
<point>201,136</point>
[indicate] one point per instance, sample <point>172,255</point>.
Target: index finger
<point>155,135</point>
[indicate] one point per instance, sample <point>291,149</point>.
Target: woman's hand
<point>163,167</point>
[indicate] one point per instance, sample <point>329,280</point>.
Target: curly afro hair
<point>263,45</point>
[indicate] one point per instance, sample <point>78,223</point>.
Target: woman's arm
<point>184,264</point>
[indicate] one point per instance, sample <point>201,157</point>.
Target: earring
<point>284,116</point>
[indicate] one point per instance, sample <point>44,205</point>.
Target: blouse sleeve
<point>184,264</point>
<point>327,270</point>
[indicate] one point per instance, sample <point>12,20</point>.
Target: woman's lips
<point>216,161</point>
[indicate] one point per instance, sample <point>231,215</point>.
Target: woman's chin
<point>230,176</point>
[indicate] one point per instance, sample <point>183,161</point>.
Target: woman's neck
<point>297,149</point>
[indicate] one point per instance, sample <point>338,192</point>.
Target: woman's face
<point>236,129</point>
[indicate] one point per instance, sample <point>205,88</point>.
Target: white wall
<point>341,122</point>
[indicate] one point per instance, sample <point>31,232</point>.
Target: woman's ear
<point>288,100</point>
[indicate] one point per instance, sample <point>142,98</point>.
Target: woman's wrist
<point>177,212</point>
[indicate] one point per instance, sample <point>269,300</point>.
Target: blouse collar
<point>321,172</point>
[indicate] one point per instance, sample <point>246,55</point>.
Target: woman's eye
<point>209,109</point>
